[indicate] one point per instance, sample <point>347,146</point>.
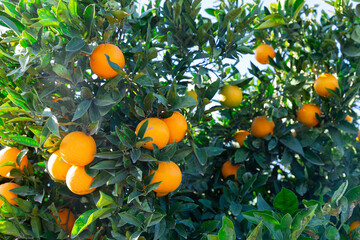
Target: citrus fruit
<point>358,137</point>
<point>67,219</point>
<point>5,191</point>
<point>240,136</point>
<point>99,63</point>
<point>9,155</point>
<point>230,96</point>
<point>77,149</point>
<point>307,115</point>
<point>349,118</point>
<point>162,194</point>
<point>353,226</point>
<point>193,94</point>
<point>263,52</point>
<point>169,174</point>
<point>228,169</point>
<point>78,181</point>
<point>157,130</point>
<point>177,127</point>
<point>57,167</point>
<point>261,127</point>
<point>323,82</point>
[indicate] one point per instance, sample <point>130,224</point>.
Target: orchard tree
<point>127,122</point>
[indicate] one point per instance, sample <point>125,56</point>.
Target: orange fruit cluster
<point>8,157</point>
<point>164,131</point>
<point>68,163</point>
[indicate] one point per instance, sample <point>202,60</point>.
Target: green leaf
<point>227,231</point>
<point>73,7</point>
<point>331,233</point>
<point>351,51</point>
<point>81,109</point>
<point>104,200</point>
<point>104,165</point>
<point>272,20</point>
<point>209,226</point>
<point>35,223</point>
<point>286,201</point>
<point>129,218</point>
<point>256,232</point>
<point>17,99</point>
<point>75,44</point>
<point>353,194</point>
<point>89,15</point>
<point>8,228</point>
<point>301,221</point>
<point>143,129</point>
<point>109,155</point>
<point>53,125</point>
<point>241,155</point>
<point>296,8</point>
<point>26,141</point>
<point>61,71</point>
<point>232,14</point>
<point>100,179</point>
<point>292,143</point>
<point>337,137</point>
<point>313,158</point>
<point>183,102</point>
<point>12,23</point>
<point>89,217</point>
<point>20,156</point>
<point>339,193</point>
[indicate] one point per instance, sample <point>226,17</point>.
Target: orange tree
<point>102,75</point>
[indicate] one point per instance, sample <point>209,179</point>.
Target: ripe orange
<point>162,194</point>
<point>193,94</point>
<point>358,137</point>
<point>240,136</point>
<point>9,154</point>
<point>157,130</point>
<point>353,226</point>
<point>261,127</point>
<point>67,219</point>
<point>78,181</point>
<point>349,118</point>
<point>307,115</point>
<point>77,149</point>
<point>230,96</point>
<point>169,174</point>
<point>263,52</point>
<point>5,191</point>
<point>99,63</point>
<point>324,81</point>
<point>228,169</point>
<point>57,167</point>
<point>177,127</point>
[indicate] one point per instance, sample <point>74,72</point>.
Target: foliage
<point>47,90</point>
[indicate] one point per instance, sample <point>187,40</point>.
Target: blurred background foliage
<point>303,187</point>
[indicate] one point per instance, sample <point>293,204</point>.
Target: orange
<point>77,149</point>
<point>228,169</point>
<point>162,194</point>
<point>99,63</point>
<point>169,174</point>
<point>9,154</point>
<point>157,130</point>
<point>57,167</point>
<point>177,127</point>
<point>349,118</point>
<point>78,181</point>
<point>324,81</point>
<point>353,226</point>
<point>307,115</point>
<point>230,96</point>
<point>261,127</point>
<point>263,52</point>
<point>358,137</point>
<point>67,219</point>
<point>240,136</point>
<point>5,191</point>
<point>193,94</point>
